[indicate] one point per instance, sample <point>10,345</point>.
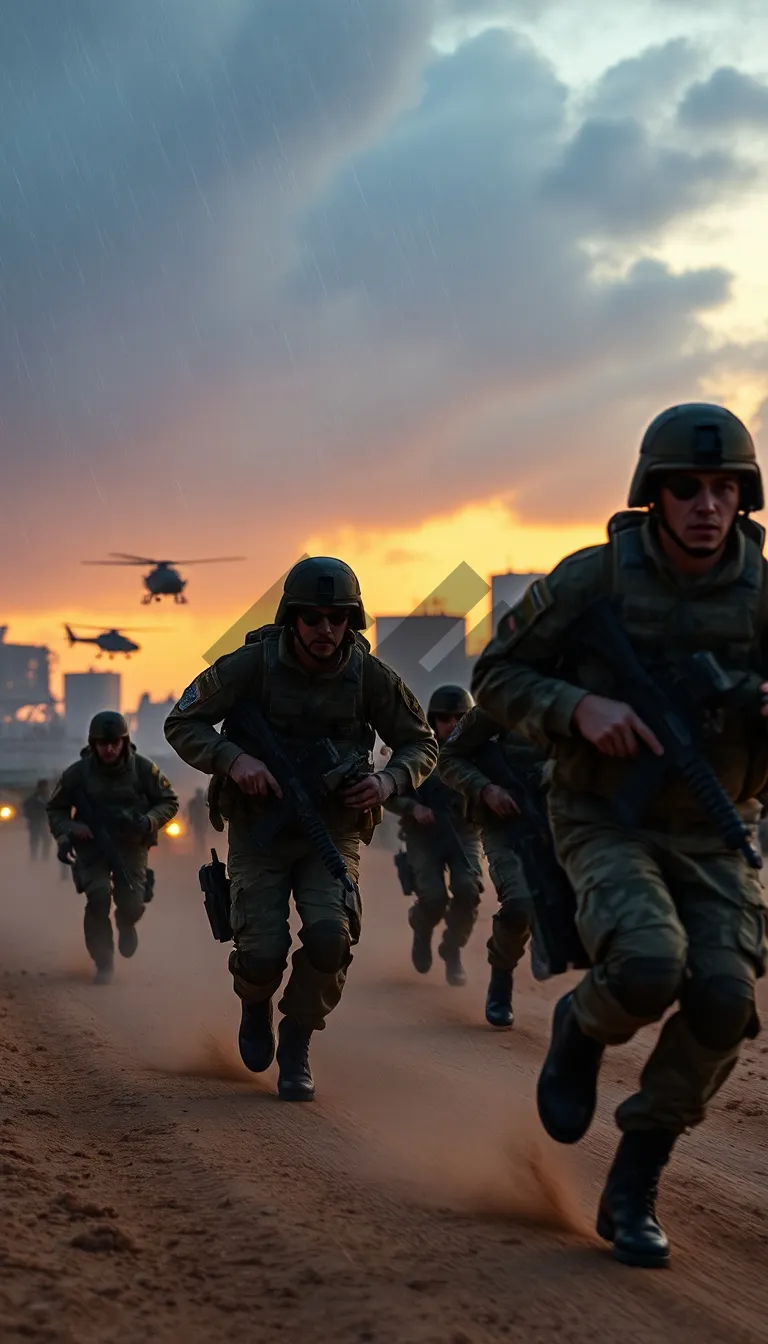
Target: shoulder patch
<point>202,688</point>
<point>410,700</point>
<point>535,601</point>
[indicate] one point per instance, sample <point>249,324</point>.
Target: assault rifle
<point>556,945</point>
<point>306,780</point>
<point>441,800</point>
<point>92,816</point>
<point>600,631</point>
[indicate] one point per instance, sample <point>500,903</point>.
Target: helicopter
<point>107,641</point>
<point>163,580</point>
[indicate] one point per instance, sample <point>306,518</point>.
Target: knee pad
<point>513,917</point>
<point>645,987</point>
<point>720,1011</point>
<point>255,969</point>
<point>327,946</point>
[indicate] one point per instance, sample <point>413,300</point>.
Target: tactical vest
<point>667,623</point>
<point>113,790</point>
<point>302,709</point>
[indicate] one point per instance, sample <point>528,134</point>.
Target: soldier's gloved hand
<point>64,852</point>
<point>501,803</point>
<point>144,825</point>
<point>423,815</point>
<point>369,792</point>
<point>613,727</point>
<point>79,831</point>
<point>252,776</point>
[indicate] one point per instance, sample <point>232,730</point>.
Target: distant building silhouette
<point>426,651</point>
<point>148,726</point>
<point>24,677</point>
<point>85,694</point>
<point>507,589</point>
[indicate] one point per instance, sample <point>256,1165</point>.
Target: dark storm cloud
<point>641,86</point>
<point>125,128</point>
<point>619,181</point>
<point>728,99</point>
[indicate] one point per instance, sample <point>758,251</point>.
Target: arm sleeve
<point>515,678</point>
<point>190,726</point>
<point>163,801</point>
<point>401,724</point>
<point>59,809</point>
<point>456,766</point>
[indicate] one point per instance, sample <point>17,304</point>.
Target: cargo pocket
<point>753,934</point>
<point>237,916</point>
<point>354,906</point>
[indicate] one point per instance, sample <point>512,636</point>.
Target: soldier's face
<point>700,507</point>
<point>322,629</point>
<point>109,752</point>
<point>445,724</point>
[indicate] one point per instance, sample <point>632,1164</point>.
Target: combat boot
<point>566,1094</point>
<point>421,952</point>
<point>498,1002</point>
<point>295,1081</point>
<point>127,940</point>
<point>103,974</point>
<point>454,971</point>
<point>627,1213</point>
<point>256,1038</point>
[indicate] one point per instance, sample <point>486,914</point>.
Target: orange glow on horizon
<point>397,568</point>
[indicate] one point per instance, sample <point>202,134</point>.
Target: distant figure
<point>197,816</point>
<point>105,813</point>
<point>36,816</point>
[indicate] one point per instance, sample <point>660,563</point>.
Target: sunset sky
<point>400,280</point>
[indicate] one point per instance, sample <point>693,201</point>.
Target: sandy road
<point>151,1190</point>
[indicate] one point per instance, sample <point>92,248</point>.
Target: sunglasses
<point>686,488</point>
<point>336,617</point>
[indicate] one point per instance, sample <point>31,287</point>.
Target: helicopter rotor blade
<point>211,560</point>
<point>137,559</point>
<point>116,562</point>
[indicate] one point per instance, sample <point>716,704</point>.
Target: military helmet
<point>321,581</point>
<point>449,700</point>
<point>696,436</point>
<point>107,726</point>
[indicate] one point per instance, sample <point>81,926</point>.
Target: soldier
<point>197,816</point>
<point>36,817</point>
<point>127,795</point>
<point>438,840</point>
<point>667,912</point>
<point>462,766</point>
<point>313,677</point>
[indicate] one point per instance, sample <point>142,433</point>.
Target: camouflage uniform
<point>36,817</point>
<point>434,853</point>
<point>197,816</point>
<point>459,768</point>
<point>123,793</point>
<point>347,703</point>
<point>665,911</point>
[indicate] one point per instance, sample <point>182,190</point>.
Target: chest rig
<point>667,622</point>
<point>302,709</point>
<point>117,789</point>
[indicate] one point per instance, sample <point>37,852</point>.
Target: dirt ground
<point>152,1190</point>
